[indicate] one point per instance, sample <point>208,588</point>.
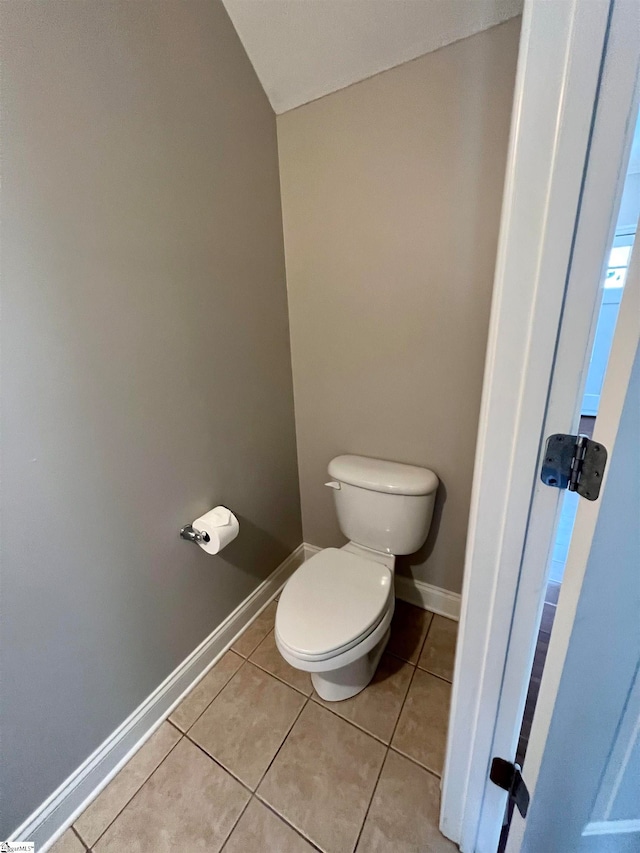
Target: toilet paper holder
<point>189,533</point>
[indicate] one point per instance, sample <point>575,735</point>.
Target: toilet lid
<point>331,601</point>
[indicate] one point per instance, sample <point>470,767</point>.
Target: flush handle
<point>333,485</point>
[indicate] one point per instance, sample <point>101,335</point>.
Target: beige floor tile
<point>422,728</point>
<point>68,843</point>
<point>205,691</point>
<point>259,830</point>
<point>267,656</point>
<point>256,632</point>
<point>439,650</point>
<point>408,630</point>
<point>104,809</point>
<point>246,723</point>
<point>322,779</point>
<point>190,804</point>
<point>377,707</point>
<point>404,812</point>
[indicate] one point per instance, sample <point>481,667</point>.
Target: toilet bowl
<point>334,614</point>
<point>333,620</point>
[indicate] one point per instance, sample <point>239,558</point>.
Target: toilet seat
<point>332,653</point>
<point>332,603</point>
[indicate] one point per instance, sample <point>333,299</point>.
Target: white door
<point>583,762</point>
<point>575,106</point>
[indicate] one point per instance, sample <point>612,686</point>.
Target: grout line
<point>404,701</point>
<point>75,832</point>
<point>434,674</point>
<point>135,794</point>
<point>228,681</point>
<point>218,763</point>
<point>245,786</point>
<point>239,637</point>
<point>281,680</point>
<point>351,723</point>
<point>273,675</point>
<point>316,699</point>
<point>230,772</point>
<point>397,657</point>
<point>388,747</point>
<point>395,749</point>
<point>254,793</point>
<point>358,728</point>
<point>285,819</point>
<point>235,823</point>
<point>284,740</point>
<point>173,725</point>
<point>287,823</point>
<point>426,636</point>
<point>373,793</point>
<point>415,761</point>
<point>422,644</point>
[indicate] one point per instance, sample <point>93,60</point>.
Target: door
<point>583,760</point>
<point>583,763</point>
<point>552,259</point>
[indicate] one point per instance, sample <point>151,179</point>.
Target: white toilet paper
<point>221,525</point>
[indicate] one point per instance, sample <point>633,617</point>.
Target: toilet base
<point>338,684</point>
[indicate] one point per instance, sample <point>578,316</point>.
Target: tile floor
<point>253,760</point>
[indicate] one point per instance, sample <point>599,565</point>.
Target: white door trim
<point>611,140</point>
<point>556,87</point>
<point>614,393</point>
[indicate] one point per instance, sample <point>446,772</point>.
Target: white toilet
<point>334,613</point>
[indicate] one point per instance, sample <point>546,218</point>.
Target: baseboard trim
<point>60,810</point>
<point>310,550</point>
<point>429,597</point>
<point>422,594</point>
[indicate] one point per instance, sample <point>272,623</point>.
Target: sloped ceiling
<point>303,49</point>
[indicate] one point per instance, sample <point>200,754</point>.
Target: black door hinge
<point>574,462</point>
<point>507,775</point>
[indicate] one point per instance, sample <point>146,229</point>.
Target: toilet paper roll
<point>221,525</point>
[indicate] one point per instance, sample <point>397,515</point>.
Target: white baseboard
<point>59,811</point>
<point>310,550</point>
<point>429,597</point>
<point>423,595</point>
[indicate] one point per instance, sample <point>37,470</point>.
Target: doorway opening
<point>613,286</point>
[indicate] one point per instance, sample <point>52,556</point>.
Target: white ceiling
<point>303,49</point>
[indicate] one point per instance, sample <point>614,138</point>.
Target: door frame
<point>557,85</point>
<point>605,717</point>
<point>612,136</point>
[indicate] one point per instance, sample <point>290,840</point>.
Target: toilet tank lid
<point>378,475</point>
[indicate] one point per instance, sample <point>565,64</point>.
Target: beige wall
<point>391,193</point>
<point>146,370</point>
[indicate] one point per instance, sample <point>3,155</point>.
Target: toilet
<point>334,614</point>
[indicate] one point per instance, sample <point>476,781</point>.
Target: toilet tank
<point>386,506</point>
